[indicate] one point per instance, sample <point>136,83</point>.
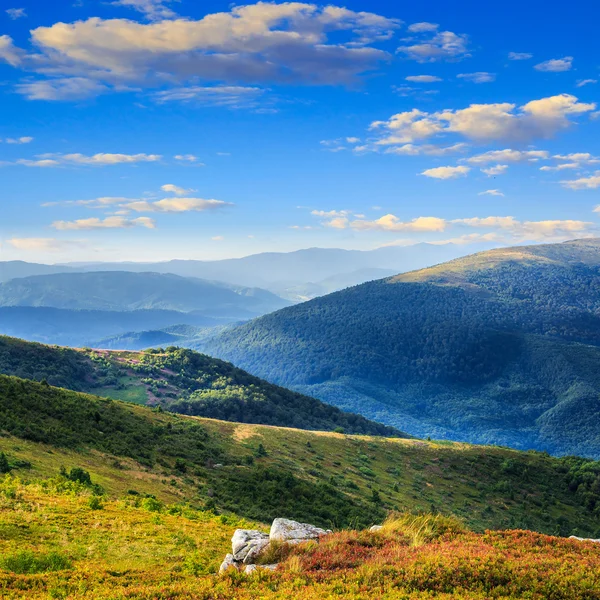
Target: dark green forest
<point>501,347</point>
<point>179,380</point>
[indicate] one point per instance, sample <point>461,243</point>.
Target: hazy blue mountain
<point>124,291</point>
<point>18,268</point>
<point>278,271</point>
<point>86,327</point>
<point>499,347</point>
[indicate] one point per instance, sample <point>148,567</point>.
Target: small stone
<point>376,528</point>
<point>292,532</point>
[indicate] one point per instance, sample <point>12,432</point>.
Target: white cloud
<point>485,122</point>
<point>9,52</point>
<point>175,189</point>
<point>392,223</point>
<point>152,9</point>
<point>583,82</point>
<point>508,155</point>
<point>42,162</point>
<point>491,193</point>
<point>42,244</point>
<point>19,140</point>
<point>98,160</point>
<point>176,205</point>
<point>426,149</point>
<point>556,65</point>
<point>328,214</point>
<point>470,238</point>
<point>519,56</point>
<point>287,43</point>
<point>575,160</point>
<point>64,88</point>
<point>446,172</point>
<point>107,223</point>
<point>583,183</point>
<point>423,78</point>
<point>495,170</point>
<point>220,95</point>
<point>102,202</point>
<point>479,77</point>
<point>16,13</point>
<point>217,238</point>
<point>549,230</point>
<point>187,158</point>
<point>444,45</point>
<point>422,27</point>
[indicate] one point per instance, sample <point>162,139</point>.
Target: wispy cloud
<point>491,193</point>
<point>16,13</point>
<point>519,56</point>
<point>446,172</point>
<point>116,222</point>
<point>479,77</point>
<point>556,65</point>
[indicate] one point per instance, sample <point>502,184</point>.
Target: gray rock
<point>292,532</point>
<point>244,540</point>
<point>574,537</point>
<point>376,528</point>
<point>228,563</point>
<point>254,549</point>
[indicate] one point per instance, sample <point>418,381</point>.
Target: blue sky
<point>149,130</point>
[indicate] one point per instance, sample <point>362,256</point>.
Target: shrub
<point>26,562</point>
<point>4,466</point>
<point>95,503</point>
<point>421,529</point>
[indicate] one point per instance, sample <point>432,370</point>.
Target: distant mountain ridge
<point>126,291</point>
<point>499,347</point>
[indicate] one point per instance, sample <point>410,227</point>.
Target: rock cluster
<point>248,544</point>
<point>580,539</point>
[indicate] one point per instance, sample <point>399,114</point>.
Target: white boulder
<point>292,532</point>
<point>251,568</point>
<point>376,528</point>
<point>580,539</point>
<point>245,540</point>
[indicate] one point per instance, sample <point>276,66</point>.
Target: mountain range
<point>499,347</point>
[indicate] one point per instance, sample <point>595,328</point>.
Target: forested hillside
<point>178,380</point>
<point>500,347</point>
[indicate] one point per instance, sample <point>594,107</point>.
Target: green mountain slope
<point>124,291</point>
<point>499,347</point>
<point>179,380</point>
<point>264,472</point>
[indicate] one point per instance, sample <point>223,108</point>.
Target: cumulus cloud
<point>443,45</point>
<point>426,149</point>
<point>479,77</point>
<point>491,193</point>
<point>583,183</point>
<point>16,13</point>
<point>392,223</point>
<point>519,56</point>
<point>423,78</point>
<point>556,65</point>
<point>287,43</point>
<point>115,222</point>
<point>175,189</point>
<point>446,172</point>
<point>495,170</point>
<point>485,122</point>
<point>9,52</point>
<point>548,230</point>
<point>176,205</point>
<point>423,27</point>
